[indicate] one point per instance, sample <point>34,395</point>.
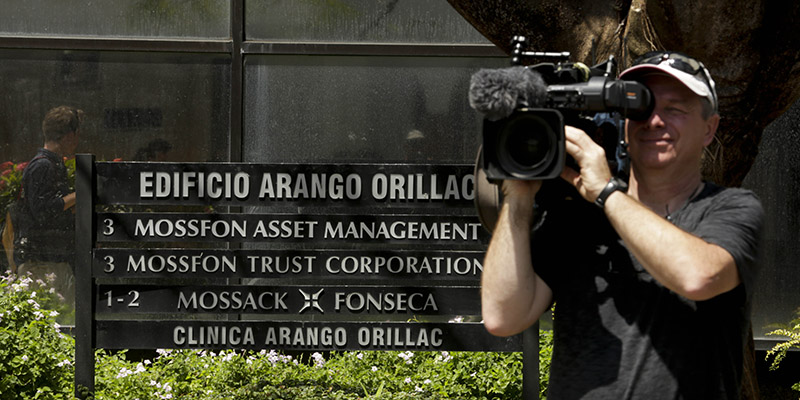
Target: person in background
<point>45,230</point>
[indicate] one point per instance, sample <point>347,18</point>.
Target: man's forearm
<point>512,295</point>
<point>682,262</point>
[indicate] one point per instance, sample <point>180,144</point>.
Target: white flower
<point>426,381</point>
<point>417,388</point>
<point>406,356</point>
<point>407,380</point>
<point>374,368</point>
<point>63,363</point>
<point>24,358</point>
<point>54,313</point>
<point>163,352</point>
<point>319,359</point>
<point>360,356</point>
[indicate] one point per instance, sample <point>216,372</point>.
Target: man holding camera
<point>652,280</point>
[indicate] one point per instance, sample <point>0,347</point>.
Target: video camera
<point>529,143</point>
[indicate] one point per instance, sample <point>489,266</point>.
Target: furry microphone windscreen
<point>498,92</point>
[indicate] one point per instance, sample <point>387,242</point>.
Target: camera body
<point>530,143</point>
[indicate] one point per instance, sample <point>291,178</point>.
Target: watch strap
<point>612,186</point>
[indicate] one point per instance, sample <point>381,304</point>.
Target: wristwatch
<point>612,186</point>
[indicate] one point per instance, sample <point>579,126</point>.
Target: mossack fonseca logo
<point>304,186</point>
<point>247,301</point>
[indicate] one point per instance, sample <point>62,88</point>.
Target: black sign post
<point>324,257</point>
<point>84,282</point>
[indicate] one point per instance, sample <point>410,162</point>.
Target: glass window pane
<point>776,179</point>
<point>380,109</point>
<point>208,19</point>
<point>383,21</point>
<point>131,100</point>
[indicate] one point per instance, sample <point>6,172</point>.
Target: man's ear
<point>712,123</point>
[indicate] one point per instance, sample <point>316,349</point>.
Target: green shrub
<point>35,357</point>
<point>195,374</point>
<point>792,332</point>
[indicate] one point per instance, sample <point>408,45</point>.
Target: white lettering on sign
<point>306,337</point>
<point>190,228</point>
<point>396,187</point>
<point>285,229</point>
<point>402,230</point>
<point>212,336</point>
<point>310,186</point>
<point>411,265</point>
<point>399,337</point>
<point>385,302</point>
<point>187,184</point>
<point>281,265</point>
<point>182,264</point>
<point>234,300</point>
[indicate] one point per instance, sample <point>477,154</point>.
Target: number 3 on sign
<point>108,227</point>
<point>134,294</point>
<point>109,264</point>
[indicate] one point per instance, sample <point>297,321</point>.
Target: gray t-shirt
<point>620,334</point>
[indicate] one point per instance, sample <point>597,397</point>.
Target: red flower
<point>6,166</point>
<point>6,172</point>
<point>21,166</point>
<point>117,160</point>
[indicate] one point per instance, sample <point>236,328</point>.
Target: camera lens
<point>527,145</point>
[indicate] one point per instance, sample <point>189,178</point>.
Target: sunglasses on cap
<point>680,62</point>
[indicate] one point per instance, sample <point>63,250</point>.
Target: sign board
<point>298,335</point>
<point>278,256</point>
<point>374,265</point>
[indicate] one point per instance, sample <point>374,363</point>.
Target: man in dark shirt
<point>46,231</point>
<point>653,285</point>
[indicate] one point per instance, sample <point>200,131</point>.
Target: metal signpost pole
<point>84,287</point>
<point>530,362</point>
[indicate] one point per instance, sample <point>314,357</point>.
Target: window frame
<point>237,47</point>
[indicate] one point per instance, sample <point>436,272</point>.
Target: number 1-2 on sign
<point>133,294</point>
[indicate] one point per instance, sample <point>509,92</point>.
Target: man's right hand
<point>519,195</point>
